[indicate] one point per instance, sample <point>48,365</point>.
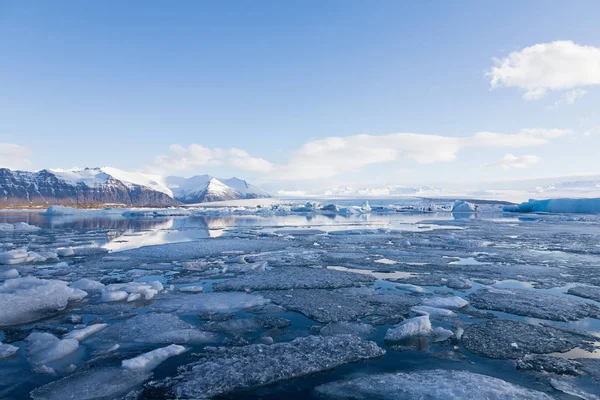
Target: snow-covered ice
<point>82,334</point>
<point>451,302</point>
<point>43,347</point>
<point>150,360</point>
<point>417,326</point>
<point>431,384</point>
<point>29,299</point>
<point>225,370</point>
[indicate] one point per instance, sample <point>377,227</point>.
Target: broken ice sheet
<point>224,370</point>
<point>507,339</point>
<point>154,328</point>
<point>186,303</point>
<point>533,303</point>
<point>282,278</point>
<point>432,384</point>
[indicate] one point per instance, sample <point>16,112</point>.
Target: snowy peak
<point>205,188</point>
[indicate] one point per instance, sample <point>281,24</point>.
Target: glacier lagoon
<point>398,299</point>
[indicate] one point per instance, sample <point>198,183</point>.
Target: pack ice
<point>29,299</point>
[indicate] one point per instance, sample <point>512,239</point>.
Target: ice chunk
<point>408,287</point>
<point>43,348</point>
<point>191,289</point>
<point>532,303</point>
<point>571,389</point>
<point>66,252</point>
<point>24,227</point>
<point>225,370</point>
<point>87,284</point>
<point>464,207</point>
<point>206,302</point>
<point>28,299</point>
<point>418,326</point>
<point>108,382</point>
<point>587,206</point>
<point>431,384</point>
<point>9,274</point>
<point>122,291</point>
<point>496,339</point>
<point>7,350</point>
<point>82,334</point>
<point>154,328</point>
<point>451,303</point>
<point>440,334</point>
<point>426,310</point>
<point>283,278</point>
<point>149,361</point>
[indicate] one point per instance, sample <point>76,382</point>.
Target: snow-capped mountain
<point>107,185</point>
<point>205,188</point>
<point>87,186</point>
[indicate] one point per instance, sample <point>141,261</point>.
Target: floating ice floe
<point>507,339</point>
<point>21,256</point>
<point>87,284</point>
<point>186,303</point>
<point>107,382</point>
<point>351,328</point>
<point>572,389</point>
<point>322,305</point>
<point>148,361</point>
<point>9,274</point>
<point>418,326</point>
<point>29,299</point>
<point>191,289</point>
<point>586,206</point>
<point>545,363</point>
<point>225,370</point>
<point>82,334</point>
<point>432,384</point>
<point>432,311</point>
<point>18,227</point>
<point>451,302</point>
<point>65,252</point>
<point>43,347</point>
<point>464,207</point>
<point>154,328</point>
<point>7,350</point>
<point>244,325</point>
<point>283,278</point>
<point>587,292</point>
<point>259,266</point>
<point>131,291</point>
<point>532,303</point>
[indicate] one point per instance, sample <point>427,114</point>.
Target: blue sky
<point>253,84</point>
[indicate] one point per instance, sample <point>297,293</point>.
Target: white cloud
<point>329,157</point>
<point>559,65</point>
<point>573,95</point>
<point>195,155</point>
<point>14,156</point>
<point>511,161</point>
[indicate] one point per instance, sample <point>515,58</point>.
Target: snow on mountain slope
<point>154,182</point>
<point>205,188</point>
<point>94,177</point>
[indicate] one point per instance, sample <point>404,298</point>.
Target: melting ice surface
<point>300,300</point>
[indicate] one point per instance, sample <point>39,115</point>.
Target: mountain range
<point>107,185</point>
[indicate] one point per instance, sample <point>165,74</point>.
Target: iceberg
<point>464,207</point>
<point>585,206</point>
